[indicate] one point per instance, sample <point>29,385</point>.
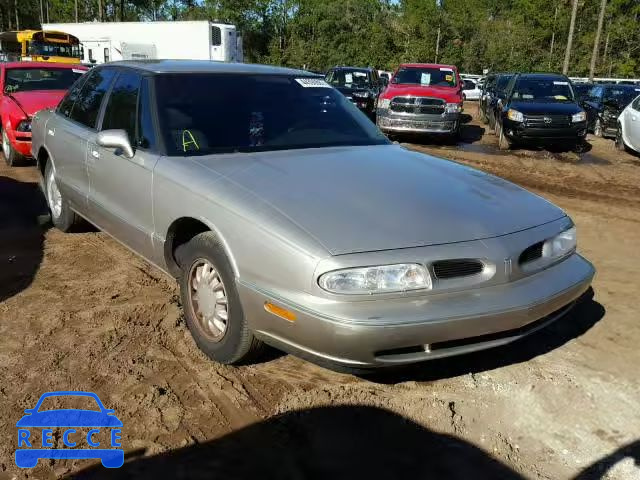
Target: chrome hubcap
<point>53,196</point>
<point>208,299</point>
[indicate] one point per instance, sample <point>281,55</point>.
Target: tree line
<point>500,35</point>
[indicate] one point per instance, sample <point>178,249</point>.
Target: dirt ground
<point>79,312</point>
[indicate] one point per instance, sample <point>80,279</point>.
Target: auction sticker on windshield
<point>312,82</point>
<point>86,433</point>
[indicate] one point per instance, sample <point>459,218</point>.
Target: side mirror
<point>117,139</point>
<point>384,81</point>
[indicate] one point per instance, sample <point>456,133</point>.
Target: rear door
<point>120,191</point>
<point>67,133</point>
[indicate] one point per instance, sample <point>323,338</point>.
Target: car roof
<point>428,65</point>
<point>542,76</point>
<point>204,66</point>
<point>42,64</point>
<point>346,67</point>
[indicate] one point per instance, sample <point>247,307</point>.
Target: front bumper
<point>521,132</point>
<point>20,141</point>
<point>398,331</point>
<point>388,121</point>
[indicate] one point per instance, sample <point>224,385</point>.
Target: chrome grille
<point>464,267</point>
<point>547,121</point>
<point>531,253</point>
<point>417,105</point>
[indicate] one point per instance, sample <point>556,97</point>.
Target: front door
<point>632,124</point>
<point>120,199</point>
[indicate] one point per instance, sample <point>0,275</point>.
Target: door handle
<point>95,154</point>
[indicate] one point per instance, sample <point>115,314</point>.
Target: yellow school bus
<point>40,46</point>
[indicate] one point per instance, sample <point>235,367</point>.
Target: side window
<point>66,104</point>
<point>122,105</point>
<point>216,36</point>
<point>146,135</point>
<point>636,104</point>
<point>330,75</point>
<point>87,106</point>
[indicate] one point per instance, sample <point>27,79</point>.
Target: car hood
<point>550,108</point>
<point>69,418</point>
<point>357,199</point>
<point>31,102</point>
<point>450,94</point>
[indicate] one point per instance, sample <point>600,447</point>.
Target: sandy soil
<point>79,312</point>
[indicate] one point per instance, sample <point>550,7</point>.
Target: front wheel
<point>211,302</point>
<point>619,140</point>
<point>62,217</point>
<point>11,155</point>
<point>503,141</point>
<point>597,128</point>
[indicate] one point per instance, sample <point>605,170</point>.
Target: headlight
<point>378,279</point>
<point>24,126</point>
<point>560,245</point>
<point>384,103</point>
<point>515,115</point>
<point>579,117</point>
<point>361,94</point>
<point>452,108</point>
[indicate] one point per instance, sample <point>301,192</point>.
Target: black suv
<point>492,91</point>
<point>604,104</point>
<point>360,85</point>
<point>540,108</point>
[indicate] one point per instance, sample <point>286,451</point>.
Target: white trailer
<point>194,40</point>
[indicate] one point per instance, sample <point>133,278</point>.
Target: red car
<point>422,98</point>
<point>26,88</point>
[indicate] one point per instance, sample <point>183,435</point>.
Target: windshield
<point>442,76</point>
<point>214,113</point>
<point>349,78</point>
<point>28,79</point>
<point>502,81</point>
<point>543,89</point>
<point>54,49</point>
<point>621,95</point>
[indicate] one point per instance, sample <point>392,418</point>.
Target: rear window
<point>213,113</point>
<point>426,76</point>
<point>29,79</point>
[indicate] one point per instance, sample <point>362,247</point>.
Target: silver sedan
<point>289,219</point>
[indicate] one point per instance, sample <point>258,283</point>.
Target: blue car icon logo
<point>68,420</point>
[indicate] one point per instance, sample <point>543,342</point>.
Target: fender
<point>15,100</point>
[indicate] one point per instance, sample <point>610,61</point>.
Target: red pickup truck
<point>421,98</point>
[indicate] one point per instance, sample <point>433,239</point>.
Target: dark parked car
<point>360,85</point>
<point>603,105</point>
<point>492,90</point>
<point>540,108</point>
<point>581,90</point>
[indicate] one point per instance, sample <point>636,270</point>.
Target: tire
<point>580,146</point>
<point>11,155</point>
<point>235,343</point>
<point>597,128</point>
<point>503,141</point>
<point>482,115</point>
<point>619,140</point>
<point>492,122</point>
<point>62,217</point>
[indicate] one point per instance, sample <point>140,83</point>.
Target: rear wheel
<point>211,302</point>
<point>11,155</point>
<point>482,115</point>
<point>597,128</point>
<point>62,217</point>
